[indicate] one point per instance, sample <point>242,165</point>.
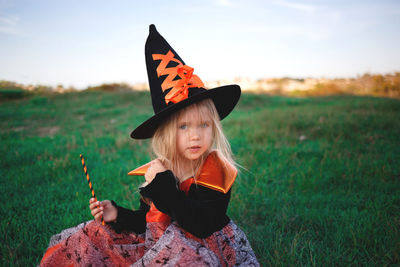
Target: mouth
<point>194,149</point>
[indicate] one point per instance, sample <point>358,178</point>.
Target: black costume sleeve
<point>130,220</point>
<point>201,213</point>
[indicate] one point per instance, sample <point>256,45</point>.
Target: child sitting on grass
<point>182,218</point>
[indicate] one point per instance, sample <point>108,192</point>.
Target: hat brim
<point>225,99</point>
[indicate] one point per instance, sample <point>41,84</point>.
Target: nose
<point>195,134</point>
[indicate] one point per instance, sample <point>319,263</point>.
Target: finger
<point>96,211</point>
<point>98,216</point>
<point>93,200</point>
<point>95,205</point>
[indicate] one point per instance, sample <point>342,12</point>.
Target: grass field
<point>321,184</point>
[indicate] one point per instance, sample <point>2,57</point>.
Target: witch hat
<point>173,86</point>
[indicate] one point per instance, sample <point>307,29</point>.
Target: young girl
<point>182,218</point>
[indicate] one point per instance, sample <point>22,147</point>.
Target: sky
<point>84,43</point>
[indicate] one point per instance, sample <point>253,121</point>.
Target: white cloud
<point>9,25</point>
<point>9,20</point>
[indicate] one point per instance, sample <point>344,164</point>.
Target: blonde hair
<point>164,139</point>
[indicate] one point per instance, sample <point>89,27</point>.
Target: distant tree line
<point>385,85</point>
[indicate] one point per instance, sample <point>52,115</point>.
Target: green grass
<point>321,185</point>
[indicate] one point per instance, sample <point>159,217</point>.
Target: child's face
<point>194,134</point>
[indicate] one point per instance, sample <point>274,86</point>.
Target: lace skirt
<point>91,244</point>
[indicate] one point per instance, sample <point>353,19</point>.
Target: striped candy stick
<point>90,183</point>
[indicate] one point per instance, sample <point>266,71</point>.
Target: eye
<point>183,126</point>
<point>205,125</point>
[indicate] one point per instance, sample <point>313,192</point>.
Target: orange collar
<point>215,173</point>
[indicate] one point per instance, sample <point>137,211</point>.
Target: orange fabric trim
<point>141,171</point>
<point>154,215</point>
<point>50,251</point>
<point>185,185</point>
<point>179,88</point>
<point>215,173</point>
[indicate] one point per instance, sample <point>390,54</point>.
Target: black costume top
<point>198,206</point>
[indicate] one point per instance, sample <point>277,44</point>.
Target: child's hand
<point>103,209</point>
<point>155,167</point>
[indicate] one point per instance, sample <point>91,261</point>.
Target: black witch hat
<point>173,86</point>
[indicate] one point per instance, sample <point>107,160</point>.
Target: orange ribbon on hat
<point>180,87</point>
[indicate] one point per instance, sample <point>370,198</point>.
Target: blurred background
<point>78,44</point>
<point>316,129</point>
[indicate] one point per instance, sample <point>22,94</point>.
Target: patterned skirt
<point>91,244</point>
